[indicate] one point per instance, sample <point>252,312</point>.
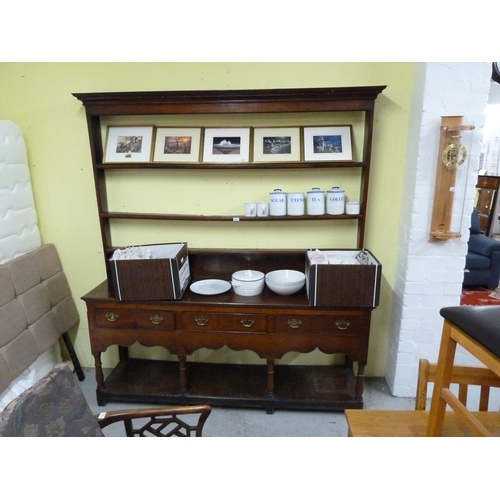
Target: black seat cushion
<point>481,323</point>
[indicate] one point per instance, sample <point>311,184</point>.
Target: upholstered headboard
<point>36,308</point>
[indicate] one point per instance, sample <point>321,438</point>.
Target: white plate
<point>210,287</point>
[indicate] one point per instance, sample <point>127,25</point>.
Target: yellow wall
<point>38,97</point>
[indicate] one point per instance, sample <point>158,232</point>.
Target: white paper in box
<point>165,276</point>
<point>349,278</point>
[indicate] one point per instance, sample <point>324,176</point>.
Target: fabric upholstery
<point>475,227</point>
<point>36,308</point>
<point>482,262</point>
<point>53,407</point>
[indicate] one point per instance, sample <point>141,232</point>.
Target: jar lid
<point>248,275</point>
<point>336,190</point>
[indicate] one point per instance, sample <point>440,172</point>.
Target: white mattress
<point>19,234</point>
<point>19,231</point>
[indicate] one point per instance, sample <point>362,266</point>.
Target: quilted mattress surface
<point>19,231</point>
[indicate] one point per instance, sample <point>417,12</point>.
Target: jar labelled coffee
<point>335,201</point>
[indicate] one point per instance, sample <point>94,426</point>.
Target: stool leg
<point>444,371</point>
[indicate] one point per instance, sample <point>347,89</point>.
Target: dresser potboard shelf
<point>268,324</point>
<point>270,385</point>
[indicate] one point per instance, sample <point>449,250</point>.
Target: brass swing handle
<point>156,319</point>
<point>202,321</point>
<point>342,324</point>
<point>111,316</point>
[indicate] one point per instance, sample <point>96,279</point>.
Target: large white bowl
<point>285,281</point>
<point>247,282</point>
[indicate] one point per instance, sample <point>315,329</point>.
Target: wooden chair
<point>413,423</point>
<point>477,330</point>
<point>464,376</point>
<point>56,407</point>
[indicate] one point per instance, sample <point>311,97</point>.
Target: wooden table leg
<point>123,352</point>
<point>182,373</point>
<point>360,381</point>
<point>270,384</point>
<point>99,377</point>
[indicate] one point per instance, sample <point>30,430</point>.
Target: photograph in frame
<point>226,145</point>
<point>276,144</point>
<point>328,143</point>
<point>177,145</point>
<point>128,144</point>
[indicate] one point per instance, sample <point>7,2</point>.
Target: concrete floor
<point>230,422</point>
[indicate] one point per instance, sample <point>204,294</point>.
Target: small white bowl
<point>285,281</point>
<point>248,282</point>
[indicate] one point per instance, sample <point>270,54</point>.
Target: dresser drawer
<point>225,322</point>
<point>316,325</point>
<point>487,182</point>
<point>148,319</point>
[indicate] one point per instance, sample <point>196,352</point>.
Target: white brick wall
<point>429,275</point>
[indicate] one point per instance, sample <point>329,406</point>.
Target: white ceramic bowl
<point>285,281</point>
<point>248,282</point>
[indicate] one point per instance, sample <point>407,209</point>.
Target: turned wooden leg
<point>360,381</point>
<point>270,384</point>
<point>182,374</point>
<point>270,378</point>
<point>123,352</point>
<point>99,377</point>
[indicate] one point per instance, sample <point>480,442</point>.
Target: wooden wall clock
<point>452,154</point>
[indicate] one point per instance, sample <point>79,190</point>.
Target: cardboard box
<point>349,279</point>
<point>163,277</point>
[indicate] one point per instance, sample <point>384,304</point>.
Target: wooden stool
<point>476,329</point>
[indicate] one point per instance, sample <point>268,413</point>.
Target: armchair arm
<point>494,269</point>
<point>483,245</point>
<point>159,422</point>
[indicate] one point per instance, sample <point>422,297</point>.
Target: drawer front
<point>487,183</point>
<point>224,322</point>
<point>319,325</point>
<point>147,319</point>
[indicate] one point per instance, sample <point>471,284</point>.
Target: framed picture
<point>276,144</point>
<point>177,145</point>
<point>226,145</point>
<point>327,143</point>
<point>128,144</point>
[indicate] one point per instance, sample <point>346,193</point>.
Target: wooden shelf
<point>328,388</point>
<point>230,166</point>
<point>223,218</point>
